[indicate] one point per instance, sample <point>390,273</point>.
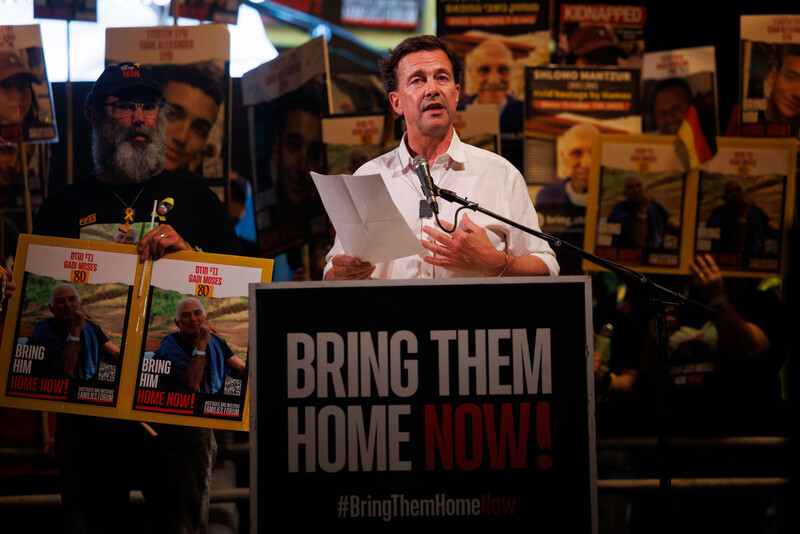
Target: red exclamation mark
<point>543,435</point>
<point>192,405</point>
<point>66,385</point>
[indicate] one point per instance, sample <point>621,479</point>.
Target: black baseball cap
<point>117,78</point>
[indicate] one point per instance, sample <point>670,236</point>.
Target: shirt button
<point>427,274</point>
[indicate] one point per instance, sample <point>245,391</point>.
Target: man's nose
<point>179,131</point>
<point>138,114</point>
<point>431,88</point>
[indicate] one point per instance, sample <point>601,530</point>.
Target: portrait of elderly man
<point>643,221</point>
<point>200,359</point>
<point>74,344</point>
<point>489,69</point>
<point>743,226</point>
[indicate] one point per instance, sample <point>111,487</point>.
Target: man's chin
<point>492,97</point>
<point>171,165</point>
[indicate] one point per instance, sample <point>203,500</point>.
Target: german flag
<point>697,136</point>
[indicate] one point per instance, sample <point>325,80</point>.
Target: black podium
<point>395,404</point>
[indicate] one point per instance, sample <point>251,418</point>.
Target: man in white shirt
<point>422,76</point>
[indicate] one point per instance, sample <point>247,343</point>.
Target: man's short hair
<point>62,286</point>
<point>181,303</point>
<point>206,76</point>
<point>419,43</point>
<point>785,51</point>
<point>673,82</point>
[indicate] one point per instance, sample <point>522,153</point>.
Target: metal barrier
<point>606,486</point>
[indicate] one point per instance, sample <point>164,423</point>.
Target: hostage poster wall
<point>385,417</point>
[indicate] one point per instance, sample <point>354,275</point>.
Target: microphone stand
<point>660,298</point>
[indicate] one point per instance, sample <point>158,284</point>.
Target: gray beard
<point>120,160</point>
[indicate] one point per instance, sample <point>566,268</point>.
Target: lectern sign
<point>395,404</point>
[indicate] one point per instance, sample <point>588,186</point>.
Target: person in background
<point>101,460</point>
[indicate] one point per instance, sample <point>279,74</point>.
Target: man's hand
<point>203,338</point>
<point>159,241</point>
<point>708,279</point>
<point>9,287</point>
<point>79,321</point>
<point>645,202</point>
<point>346,267</point>
<point>466,249</point>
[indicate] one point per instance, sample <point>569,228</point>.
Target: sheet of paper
<point>366,219</point>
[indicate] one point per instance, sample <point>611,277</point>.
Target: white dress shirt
<point>472,173</point>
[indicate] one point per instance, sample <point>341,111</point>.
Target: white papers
<point>366,220</point>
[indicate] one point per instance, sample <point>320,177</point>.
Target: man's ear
<point>770,78</point>
<point>90,116</point>
<point>394,100</point>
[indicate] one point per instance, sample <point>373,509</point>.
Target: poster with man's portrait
<point>66,346</point>
<point>674,80</point>
<point>195,345</point>
<point>769,76</point>
<point>495,46</point>
<point>191,64</point>
<point>638,204</point>
<point>286,99</point>
<point>597,35</point>
<point>745,204</point>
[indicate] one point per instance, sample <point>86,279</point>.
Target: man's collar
<point>454,153</point>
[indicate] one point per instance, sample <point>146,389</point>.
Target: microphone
<point>429,189</point>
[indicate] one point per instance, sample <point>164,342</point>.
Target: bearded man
<point>101,460</point>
